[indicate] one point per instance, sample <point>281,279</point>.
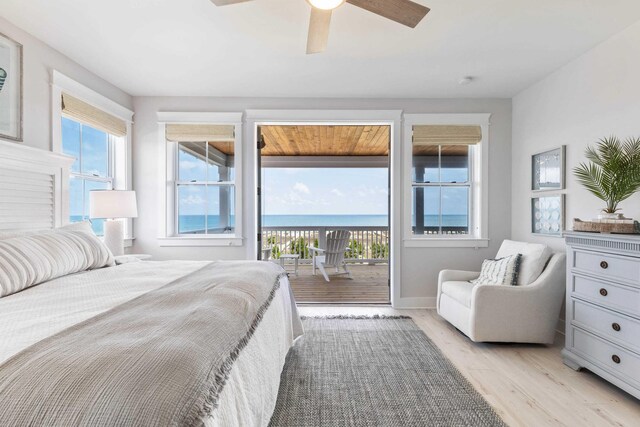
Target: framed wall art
<point>547,170</point>
<point>547,215</point>
<point>10,89</point>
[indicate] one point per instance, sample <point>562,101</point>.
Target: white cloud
<point>337,192</point>
<point>363,191</point>
<point>192,199</point>
<point>188,165</point>
<point>301,188</point>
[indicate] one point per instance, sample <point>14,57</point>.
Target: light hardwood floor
<point>369,285</point>
<point>527,385</point>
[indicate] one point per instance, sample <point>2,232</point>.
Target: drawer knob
<point>615,358</point>
<point>604,265</point>
<point>603,292</point>
<point>616,327</point>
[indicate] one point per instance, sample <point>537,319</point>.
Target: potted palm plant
<point>612,173</point>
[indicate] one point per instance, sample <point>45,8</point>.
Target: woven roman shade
<point>92,116</point>
<point>446,135</point>
<point>199,133</point>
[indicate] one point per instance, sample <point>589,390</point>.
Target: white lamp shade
<point>112,204</point>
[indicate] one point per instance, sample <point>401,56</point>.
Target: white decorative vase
<point>605,215</point>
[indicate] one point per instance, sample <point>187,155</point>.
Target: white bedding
<point>250,394</point>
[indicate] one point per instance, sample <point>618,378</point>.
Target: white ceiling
<point>191,47</point>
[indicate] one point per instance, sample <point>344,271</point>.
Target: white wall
<point>594,96</point>
<point>419,267</point>
<point>38,61</point>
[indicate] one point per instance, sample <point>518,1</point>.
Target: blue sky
<point>325,191</point>
<point>95,161</point>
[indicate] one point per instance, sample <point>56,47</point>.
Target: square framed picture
<point>547,215</point>
<point>547,170</point>
<point>10,89</point>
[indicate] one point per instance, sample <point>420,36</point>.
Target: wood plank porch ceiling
<point>324,140</point>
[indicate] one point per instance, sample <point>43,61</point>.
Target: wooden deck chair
<point>333,254</point>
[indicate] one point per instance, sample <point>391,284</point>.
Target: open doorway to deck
<point>324,192</point>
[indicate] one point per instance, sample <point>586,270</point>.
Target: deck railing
<point>367,244</point>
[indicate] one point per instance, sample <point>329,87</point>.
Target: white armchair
<point>486,313</point>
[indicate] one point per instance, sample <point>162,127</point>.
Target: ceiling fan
<point>404,12</point>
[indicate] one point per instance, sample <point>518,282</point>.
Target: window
<point>96,132</point>
<point>92,169</point>
<point>441,189</point>
<point>205,187</point>
<point>446,194</point>
<point>202,197</point>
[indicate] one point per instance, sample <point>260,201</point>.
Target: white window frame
<point>168,233</point>
<point>120,147</point>
<point>478,175</point>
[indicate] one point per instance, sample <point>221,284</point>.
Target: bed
<point>121,345</point>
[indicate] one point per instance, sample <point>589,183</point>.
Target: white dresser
<point>603,307</point>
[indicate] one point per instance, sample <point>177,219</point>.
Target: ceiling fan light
<point>326,4</point>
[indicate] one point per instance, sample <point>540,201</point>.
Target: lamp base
<point>114,236</point>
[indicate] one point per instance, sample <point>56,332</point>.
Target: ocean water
<point>193,223</point>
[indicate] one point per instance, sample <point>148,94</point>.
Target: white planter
<point>611,216</point>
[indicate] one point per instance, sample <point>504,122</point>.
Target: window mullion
<point>471,210</point>
<point>206,189</point>
<point>80,168</point>
<point>440,188</point>
<point>84,204</point>
<point>112,163</point>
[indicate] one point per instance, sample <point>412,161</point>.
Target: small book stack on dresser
<point>603,307</point>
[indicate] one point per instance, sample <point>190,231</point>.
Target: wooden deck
<point>368,286</point>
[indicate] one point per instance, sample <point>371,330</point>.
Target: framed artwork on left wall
<point>10,89</point>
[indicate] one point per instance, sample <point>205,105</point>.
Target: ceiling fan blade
<point>227,2</point>
<point>405,12</point>
<point>318,30</point>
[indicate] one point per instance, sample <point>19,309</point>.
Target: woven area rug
<point>374,372</point>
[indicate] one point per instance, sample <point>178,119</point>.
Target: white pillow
<point>500,271</point>
<point>534,258</point>
<point>84,226</point>
<point>29,260</point>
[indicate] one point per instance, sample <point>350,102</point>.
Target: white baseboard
<point>415,302</point>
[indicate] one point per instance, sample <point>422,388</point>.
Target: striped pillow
<point>501,271</point>
<point>29,260</point>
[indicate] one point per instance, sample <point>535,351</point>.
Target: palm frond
<point>613,171</point>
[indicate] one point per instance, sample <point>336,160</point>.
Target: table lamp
<point>113,205</point>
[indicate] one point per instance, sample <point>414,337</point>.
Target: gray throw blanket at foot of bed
<point>160,359</point>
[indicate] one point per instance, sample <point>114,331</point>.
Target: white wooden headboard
<point>34,191</point>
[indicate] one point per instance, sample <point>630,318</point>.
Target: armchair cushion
<point>459,291</point>
<point>534,258</point>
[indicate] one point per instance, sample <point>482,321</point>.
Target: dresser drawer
<point>607,324</point>
<point>624,364</point>
<point>608,266</point>
<point>607,294</point>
